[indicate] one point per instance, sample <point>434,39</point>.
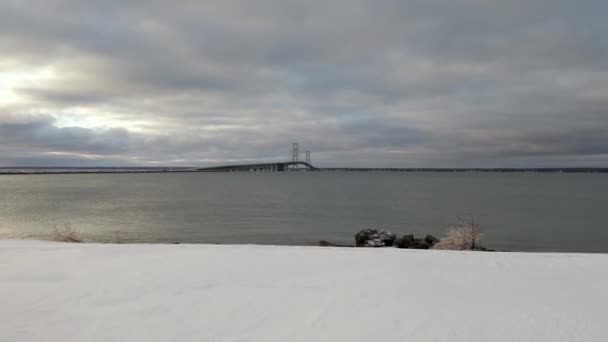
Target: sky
<point>359,83</point>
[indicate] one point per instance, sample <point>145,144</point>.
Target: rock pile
<point>382,238</point>
<point>408,241</point>
<point>374,238</point>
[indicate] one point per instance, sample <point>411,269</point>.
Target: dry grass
<point>117,237</point>
<point>67,234</point>
<point>463,236</point>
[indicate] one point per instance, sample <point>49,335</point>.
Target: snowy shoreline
<point>152,292</point>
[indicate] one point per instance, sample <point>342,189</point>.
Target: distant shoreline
<point>472,170</point>
<point>81,172</point>
<point>111,170</point>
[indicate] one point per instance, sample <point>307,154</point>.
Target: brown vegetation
<point>66,234</point>
<point>464,235</point>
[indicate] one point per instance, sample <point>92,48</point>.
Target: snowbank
<point>86,292</point>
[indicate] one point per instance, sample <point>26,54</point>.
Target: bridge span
<point>283,166</point>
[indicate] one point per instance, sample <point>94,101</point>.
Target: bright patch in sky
<point>13,80</point>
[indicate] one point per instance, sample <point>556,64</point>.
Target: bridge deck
<point>284,166</point>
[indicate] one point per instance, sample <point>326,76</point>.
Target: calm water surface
<point>520,211</point>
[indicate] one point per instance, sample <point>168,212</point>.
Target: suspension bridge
<point>294,165</point>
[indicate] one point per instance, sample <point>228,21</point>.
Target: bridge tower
<point>296,154</point>
<point>308,157</point>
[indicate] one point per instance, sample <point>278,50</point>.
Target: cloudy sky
<point>394,83</point>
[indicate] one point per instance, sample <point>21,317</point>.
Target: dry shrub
<point>463,236</point>
<point>117,237</point>
<point>66,234</point>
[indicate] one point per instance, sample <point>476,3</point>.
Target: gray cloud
<point>360,83</point>
<point>41,134</point>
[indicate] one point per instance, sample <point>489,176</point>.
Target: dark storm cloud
<point>359,82</point>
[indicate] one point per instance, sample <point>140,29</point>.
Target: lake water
<point>517,211</point>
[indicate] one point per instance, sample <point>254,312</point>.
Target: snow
<point>89,292</point>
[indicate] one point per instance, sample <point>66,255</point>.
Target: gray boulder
<point>420,244</point>
<point>374,238</point>
<point>406,241</point>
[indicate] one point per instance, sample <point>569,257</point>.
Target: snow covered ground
<point>87,292</point>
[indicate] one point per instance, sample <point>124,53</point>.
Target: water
<point>517,211</point>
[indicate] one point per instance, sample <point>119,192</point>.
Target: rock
<point>374,238</point>
<point>420,244</point>
<point>431,240</point>
<point>406,241</point>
